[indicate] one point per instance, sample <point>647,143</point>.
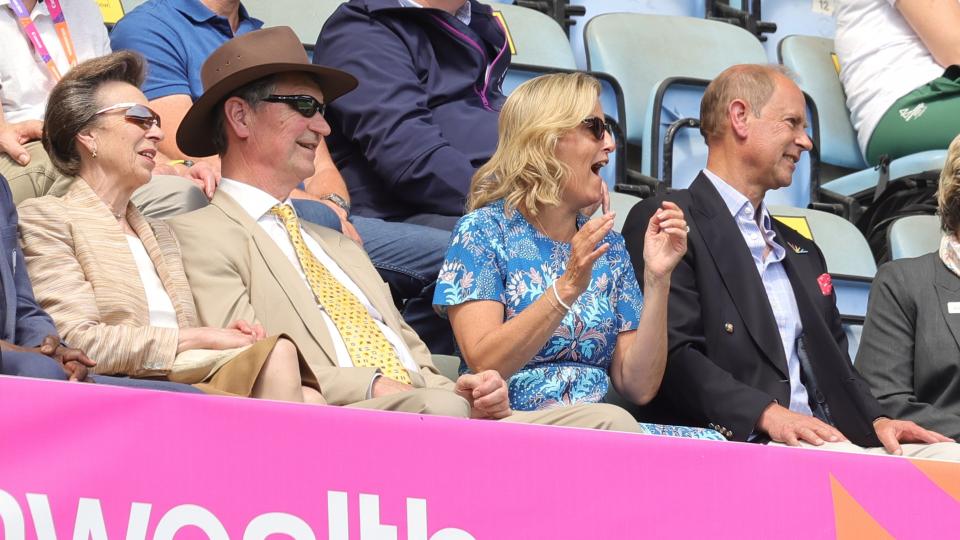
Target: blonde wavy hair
<point>524,171</point>
<point>948,194</point>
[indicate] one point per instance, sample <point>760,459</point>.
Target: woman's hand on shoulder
<point>665,241</point>
<point>584,251</point>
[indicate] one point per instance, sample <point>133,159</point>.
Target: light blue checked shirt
<point>758,234</point>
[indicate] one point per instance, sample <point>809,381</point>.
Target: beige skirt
<point>230,372</point>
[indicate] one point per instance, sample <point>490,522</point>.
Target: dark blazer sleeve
<point>887,357</point>
<point>32,323</point>
<point>698,389</point>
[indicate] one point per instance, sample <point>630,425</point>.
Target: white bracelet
<point>557,296</point>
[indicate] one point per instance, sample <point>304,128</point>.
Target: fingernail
<point>23,158</point>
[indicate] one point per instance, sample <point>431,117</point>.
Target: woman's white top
<point>161,309</point>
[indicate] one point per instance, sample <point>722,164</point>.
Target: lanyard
<point>59,23</point>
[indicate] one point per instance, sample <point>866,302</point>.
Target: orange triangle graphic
<point>852,520</point>
<point>945,475</point>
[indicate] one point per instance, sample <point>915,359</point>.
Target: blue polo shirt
<point>175,36</point>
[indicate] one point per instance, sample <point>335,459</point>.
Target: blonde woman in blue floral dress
<point>543,294</point>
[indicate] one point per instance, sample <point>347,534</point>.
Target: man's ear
<point>237,114</point>
<point>738,113</point>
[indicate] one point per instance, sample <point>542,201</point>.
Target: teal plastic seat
<point>847,253</point>
<point>913,236</point>
<point>811,60</point>
<point>306,18</point>
<point>642,50</point>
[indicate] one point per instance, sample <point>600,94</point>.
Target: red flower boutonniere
<point>826,284</point>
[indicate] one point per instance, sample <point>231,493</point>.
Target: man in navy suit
<point>29,343</point>
<point>756,346</point>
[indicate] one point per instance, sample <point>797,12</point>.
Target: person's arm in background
<point>168,88</point>
<point>936,22</point>
<point>327,180</point>
<point>16,134</point>
<point>402,142</point>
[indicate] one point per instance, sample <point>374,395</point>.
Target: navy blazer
<point>22,321</point>
<point>726,363</point>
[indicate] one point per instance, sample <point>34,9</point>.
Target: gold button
<point>728,328</point>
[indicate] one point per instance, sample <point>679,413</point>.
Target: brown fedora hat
<point>245,59</point>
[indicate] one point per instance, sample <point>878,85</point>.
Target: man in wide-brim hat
<point>248,255</point>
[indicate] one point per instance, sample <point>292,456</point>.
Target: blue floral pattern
<point>498,256</point>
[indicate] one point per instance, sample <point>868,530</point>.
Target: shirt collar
<point>738,203</point>
<point>254,201</point>
<point>464,14</point>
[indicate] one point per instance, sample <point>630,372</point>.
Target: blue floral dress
<point>502,257</point>
<point>493,256</point>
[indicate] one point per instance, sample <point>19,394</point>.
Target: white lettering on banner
<point>90,525</point>
<point>12,517</point>
<point>264,525</point>
<point>185,515</point>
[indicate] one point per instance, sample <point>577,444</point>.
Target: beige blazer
<point>85,277</point>
<point>237,272</point>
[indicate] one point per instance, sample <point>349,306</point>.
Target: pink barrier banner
<point>84,461</point>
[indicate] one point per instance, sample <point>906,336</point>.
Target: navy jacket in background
<point>22,321</point>
<point>424,115</point>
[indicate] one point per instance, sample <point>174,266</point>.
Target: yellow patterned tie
<point>365,342</point>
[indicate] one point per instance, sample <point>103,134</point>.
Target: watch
<point>337,200</point>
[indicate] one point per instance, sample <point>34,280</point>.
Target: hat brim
<point>195,134</point>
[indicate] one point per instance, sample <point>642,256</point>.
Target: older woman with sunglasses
<point>113,280</point>
<point>541,293</point>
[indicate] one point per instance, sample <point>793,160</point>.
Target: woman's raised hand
<point>584,251</point>
<point>665,241</point>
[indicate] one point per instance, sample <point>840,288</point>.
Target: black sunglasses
<point>305,105</point>
<point>598,126</point>
<point>134,113</point>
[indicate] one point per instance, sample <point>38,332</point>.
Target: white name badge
<point>953,307</point>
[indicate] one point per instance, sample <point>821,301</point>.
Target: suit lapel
<point>948,291</point>
<point>734,261</point>
<point>298,294</point>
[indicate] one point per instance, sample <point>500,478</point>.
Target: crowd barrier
<point>82,461</point>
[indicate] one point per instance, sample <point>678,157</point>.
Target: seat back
<point>847,254</point>
<point>621,203</point>
<point>679,162</point>
<point>537,39</point>
<point>641,50</point>
<point>811,59</point>
<point>913,236</point>
<point>306,18</point>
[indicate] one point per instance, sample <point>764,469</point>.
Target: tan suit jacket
<point>85,277</point>
<point>236,271</point>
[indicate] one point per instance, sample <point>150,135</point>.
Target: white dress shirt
<point>257,203</point>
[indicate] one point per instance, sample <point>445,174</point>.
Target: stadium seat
<point>845,250</point>
<point>306,18</point>
<point>674,150</point>
<point>621,203</point>
<point>913,236</point>
<point>812,60</point>
<point>641,51</point>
